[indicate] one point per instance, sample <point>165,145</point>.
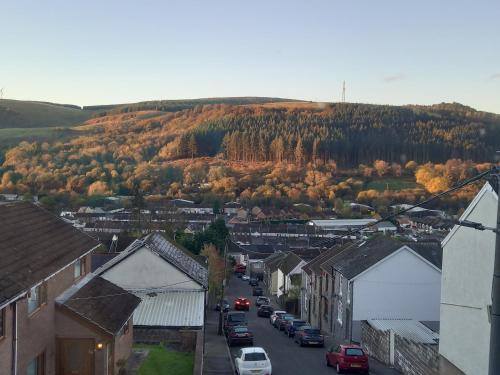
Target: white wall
<point>403,286</point>
<point>468,257</point>
<point>144,269</point>
<point>280,282</point>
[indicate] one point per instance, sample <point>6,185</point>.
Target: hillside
<point>285,150</point>
<point>31,114</point>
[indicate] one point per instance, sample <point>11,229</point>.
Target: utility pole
<point>221,300</point>
<point>495,290</point>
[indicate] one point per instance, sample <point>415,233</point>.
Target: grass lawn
<point>394,183</point>
<point>163,362</point>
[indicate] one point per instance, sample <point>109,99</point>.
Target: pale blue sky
<point>393,52</point>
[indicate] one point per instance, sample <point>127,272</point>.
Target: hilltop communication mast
<point>343,92</point>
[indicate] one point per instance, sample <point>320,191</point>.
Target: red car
<point>241,304</point>
<point>348,357</point>
<point>240,268</point>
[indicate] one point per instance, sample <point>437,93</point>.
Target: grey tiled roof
<point>177,257</point>
<point>430,250</point>
<point>35,244</point>
<point>109,313</point>
<point>361,256</point>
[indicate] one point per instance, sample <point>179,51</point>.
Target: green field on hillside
<point>28,114</point>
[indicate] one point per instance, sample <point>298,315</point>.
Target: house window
<point>340,286</point>
<point>79,268</point>
<point>325,309</point>
<point>339,312</point>
<point>2,323</point>
<point>37,297</point>
<point>327,283</point>
<point>37,365</point>
<point>348,293</point>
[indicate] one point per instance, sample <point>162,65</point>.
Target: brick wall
<point>414,358</point>
<point>375,343</point>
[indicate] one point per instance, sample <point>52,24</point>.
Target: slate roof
<point>34,245</point>
<point>358,257</point>
<point>109,313</point>
<point>273,261</point>
<point>430,250</point>
<point>178,257</point>
<point>289,262</point>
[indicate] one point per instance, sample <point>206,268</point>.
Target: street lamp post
<point>221,300</point>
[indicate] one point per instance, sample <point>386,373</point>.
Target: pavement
<point>217,359</point>
<point>286,356</point>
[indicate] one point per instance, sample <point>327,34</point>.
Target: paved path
<point>217,360</point>
<point>287,357</point>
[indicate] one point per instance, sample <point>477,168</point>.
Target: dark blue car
<point>292,325</point>
<point>307,335</point>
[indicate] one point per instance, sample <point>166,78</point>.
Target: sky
<point>388,52</point>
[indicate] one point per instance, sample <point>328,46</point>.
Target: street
<point>286,356</point>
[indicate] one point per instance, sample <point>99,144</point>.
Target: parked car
<point>253,282</point>
<point>307,335</point>
<point>275,315</point>
<point>239,275</point>
<point>225,305</point>
<point>257,291</point>
<point>282,321</point>
<point>265,311</point>
<point>240,268</point>
<point>292,325</point>
<point>241,304</point>
<point>348,357</point>
<point>251,361</point>
<point>234,318</point>
<point>239,335</point>
<point>262,301</point>
<point>245,277</point>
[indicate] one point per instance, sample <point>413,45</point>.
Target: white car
<point>252,361</point>
<point>275,314</point>
<point>245,277</point>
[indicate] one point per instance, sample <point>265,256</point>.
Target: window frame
<point>41,291</point>
<point>340,312</point>
<point>40,362</point>
<point>80,266</point>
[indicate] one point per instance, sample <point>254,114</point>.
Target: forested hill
<point>114,153</point>
<point>347,133</point>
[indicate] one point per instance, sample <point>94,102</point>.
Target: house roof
<point>35,245</point>
<point>315,264</point>
<point>171,309</point>
<point>183,260</point>
<point>273,261</point>
<point>358,257</point>
<point>180,258</point>
<point>102,303</point>
<point>289,262</point>
<point>430,250</point>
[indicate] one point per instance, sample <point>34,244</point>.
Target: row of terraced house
<point>420,306</point>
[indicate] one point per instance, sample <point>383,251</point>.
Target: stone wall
<point>179,339</point>
<point>375,343</point>
<point>413,358</point>
<point>410,358</point>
